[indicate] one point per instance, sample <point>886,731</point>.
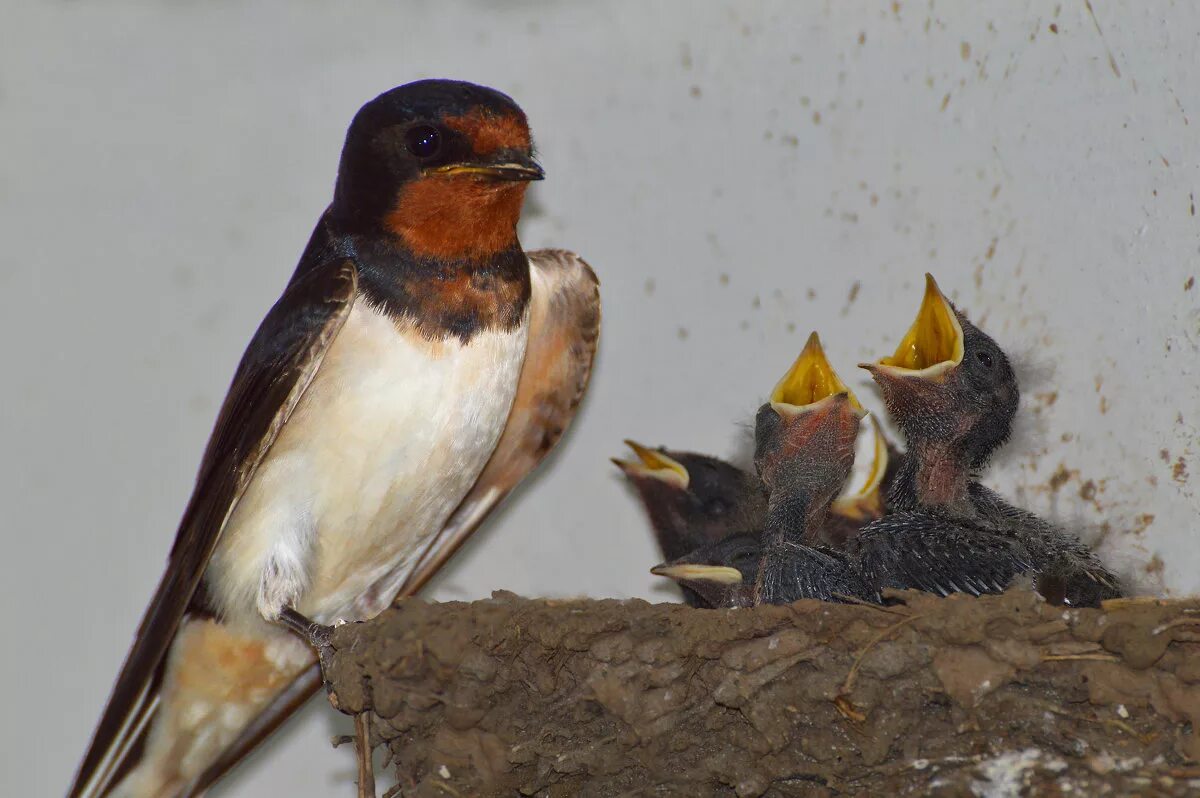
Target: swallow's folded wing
<point>922,551</point>
<point>276,369</point>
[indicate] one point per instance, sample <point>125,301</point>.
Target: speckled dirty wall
<point>737,173</point>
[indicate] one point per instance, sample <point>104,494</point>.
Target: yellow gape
<point>811,380</point>
<point>934,342</point>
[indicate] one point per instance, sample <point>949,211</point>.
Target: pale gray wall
<point>738,174</point>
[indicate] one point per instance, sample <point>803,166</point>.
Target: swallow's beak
<point>510,166</point>
<point>932,346</point>
<point>693,572</point>
<point>810,381</point>
<point>655,465</point>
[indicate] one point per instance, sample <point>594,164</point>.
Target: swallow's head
<point>718,568</point>
<point>949,386</point>
<point>440,164</point>
<point>692,496</point>
<point>808,432</point>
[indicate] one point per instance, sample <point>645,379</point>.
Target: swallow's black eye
<point>984,358</point>
<point>423,141</point>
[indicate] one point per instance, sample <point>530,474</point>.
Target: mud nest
<point>995,696</point>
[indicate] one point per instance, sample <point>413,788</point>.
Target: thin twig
<point>1095,657</point>
<point>842,701</point>
<point>890,610</point>
<point>848,685</point>
<point>366,771</point>
<point>1125,727</point>
<point>1177,622</point>
<point>441,785</point>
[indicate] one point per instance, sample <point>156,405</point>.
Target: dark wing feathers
<point>1069,570</point>
<point>938,555</point>
<point>564,326</point>
<point>276,369</point>
<point>793,571</point>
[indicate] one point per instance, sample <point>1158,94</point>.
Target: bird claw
<point>317,635</point>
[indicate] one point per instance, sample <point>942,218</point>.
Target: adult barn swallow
<point>953,393</point>
<point>804,455</point>
<point>418,364</point>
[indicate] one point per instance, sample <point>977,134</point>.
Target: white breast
<point>386,441</point>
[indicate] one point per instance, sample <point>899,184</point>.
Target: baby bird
<point>804,455</point>
<point>953,394</point>
<point>722,574</point>
<point>810,379</point>
<point>694,501</point>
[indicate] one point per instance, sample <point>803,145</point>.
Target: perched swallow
<point>418,364</point>
<point>953,393</point>
<point>804,455</point>
<point>811,379</point>
<point>722,574</point>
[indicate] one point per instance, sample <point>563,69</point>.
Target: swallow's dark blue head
<point>429,160</point>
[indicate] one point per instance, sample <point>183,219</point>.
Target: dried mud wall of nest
<point>956,696</point>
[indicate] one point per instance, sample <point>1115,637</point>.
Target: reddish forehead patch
<point>491,133</point>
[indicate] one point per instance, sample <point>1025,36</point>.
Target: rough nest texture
<point>999,696</point>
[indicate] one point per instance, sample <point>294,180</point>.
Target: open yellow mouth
<point>654,464</point>
<point>810,380</point>
<point>720,574</point>
<point>934,343</point>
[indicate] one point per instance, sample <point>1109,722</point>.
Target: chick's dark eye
<point>423,141</point>
<point>984,358</point>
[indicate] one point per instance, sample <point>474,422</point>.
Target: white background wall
<point>738,174</point>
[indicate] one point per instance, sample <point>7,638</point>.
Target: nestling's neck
<point>790,518</point>
<point>932,475</point>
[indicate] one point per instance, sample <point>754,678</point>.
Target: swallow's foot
<point>317,635</point>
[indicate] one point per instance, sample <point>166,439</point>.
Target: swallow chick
<point>953,394</point>
<point>417,365</point>
<point>693,499</point>
<point>721,574</point>
<point>804,455</point>
<point>810,379</point>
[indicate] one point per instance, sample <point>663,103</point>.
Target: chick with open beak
<point>693,501</point>
<point>953,393</point>
<point>804,454</point>
<point>722,574</point>
<point>861,500</point>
